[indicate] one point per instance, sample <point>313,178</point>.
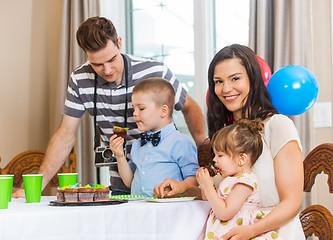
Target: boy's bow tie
<point>153,137</point>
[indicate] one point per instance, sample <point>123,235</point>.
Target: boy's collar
<point>165,130</point>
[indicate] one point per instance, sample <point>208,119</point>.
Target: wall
<point>30,32</point>
<point>322,63</point>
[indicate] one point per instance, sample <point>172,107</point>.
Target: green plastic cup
<point>66,179</point>
<point>32,187</point>
<point>4,191</point>
<point>11,185</point>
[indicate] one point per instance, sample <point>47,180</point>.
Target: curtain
<point>71,56</point>
<point>281,33</point>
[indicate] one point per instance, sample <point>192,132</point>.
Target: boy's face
<point>147,115</point>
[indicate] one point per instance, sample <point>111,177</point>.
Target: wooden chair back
<point>30,162</point>
<point>317,219</point>
<point>205,157</point>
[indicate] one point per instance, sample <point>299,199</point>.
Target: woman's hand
<point>239,233</point>
<point>204,179</point>
<point>116,145</point>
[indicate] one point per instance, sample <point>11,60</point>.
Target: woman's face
<point>232,85</point>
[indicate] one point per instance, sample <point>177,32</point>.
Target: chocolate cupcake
<point>71,195</point>
<point>86,194</point>
<point>101,194</point>
<point>120,132</point>
<point>212,171</point>
<point>60,195</point>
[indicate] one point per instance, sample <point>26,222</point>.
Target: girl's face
<point>146,114</point>
<point>232,85</point>
<point>226,165</point>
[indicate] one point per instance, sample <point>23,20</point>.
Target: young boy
<point>161,152</point>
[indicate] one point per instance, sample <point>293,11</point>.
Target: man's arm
<point>58,150</point>
<point>194,120</point>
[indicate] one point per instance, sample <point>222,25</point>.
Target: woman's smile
<point>231,98</point>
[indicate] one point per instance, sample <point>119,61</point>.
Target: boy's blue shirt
<point>175,157</point>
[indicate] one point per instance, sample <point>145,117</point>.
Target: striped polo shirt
<point>111,98</point>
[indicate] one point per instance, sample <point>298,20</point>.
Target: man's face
<point>108,62</point>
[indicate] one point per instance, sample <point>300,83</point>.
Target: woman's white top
<point>279,130</point>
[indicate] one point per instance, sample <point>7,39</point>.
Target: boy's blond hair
<point>161,90</point>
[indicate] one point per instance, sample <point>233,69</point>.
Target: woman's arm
<point>289,177</point>
<point>288,168</point>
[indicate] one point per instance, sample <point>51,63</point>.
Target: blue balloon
<point>293,90</point>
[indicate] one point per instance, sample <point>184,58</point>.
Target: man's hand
<point>19,194</point>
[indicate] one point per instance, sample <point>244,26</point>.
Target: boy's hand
<point>116,145</point>
<point>203,178</point>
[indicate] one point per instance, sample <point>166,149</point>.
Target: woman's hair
<point>94,34</point>
<point>244,136</point>
<point>257,104</point>
<point>161,90</point>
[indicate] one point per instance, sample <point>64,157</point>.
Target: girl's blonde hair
<point>244,136</point>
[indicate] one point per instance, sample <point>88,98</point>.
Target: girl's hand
<point>116,145</point>
<point>203,178</point>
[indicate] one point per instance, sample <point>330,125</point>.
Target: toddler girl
<point>236,202</point>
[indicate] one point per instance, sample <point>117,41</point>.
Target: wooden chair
<point>30,162</point>
<point>205,155</point>
<point>317,219</point>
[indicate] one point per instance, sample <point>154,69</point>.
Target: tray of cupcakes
<point>89,195</point>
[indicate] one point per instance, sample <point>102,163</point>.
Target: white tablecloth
<point>134,220</point>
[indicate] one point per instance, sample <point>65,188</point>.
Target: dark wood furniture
<point>317,219</point>
<point>30,162</point>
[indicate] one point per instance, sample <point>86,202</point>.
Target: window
<point>231,22</point>
<point>183,34</point>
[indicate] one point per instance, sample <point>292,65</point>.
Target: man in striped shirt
<point>98,38</point>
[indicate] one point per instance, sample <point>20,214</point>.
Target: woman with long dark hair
<point>236,91</point>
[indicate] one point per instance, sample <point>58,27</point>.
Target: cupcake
<point>86,194</point>
<point>120,132</point>
<point>102,194</point>
<point>60,195</point>
<point>71,195</point>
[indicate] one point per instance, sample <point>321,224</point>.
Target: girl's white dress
<point>279,130</point>
<point>247,215</point>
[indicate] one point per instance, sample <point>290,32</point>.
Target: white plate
<point>128,197</point>
<point>180,199</point>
